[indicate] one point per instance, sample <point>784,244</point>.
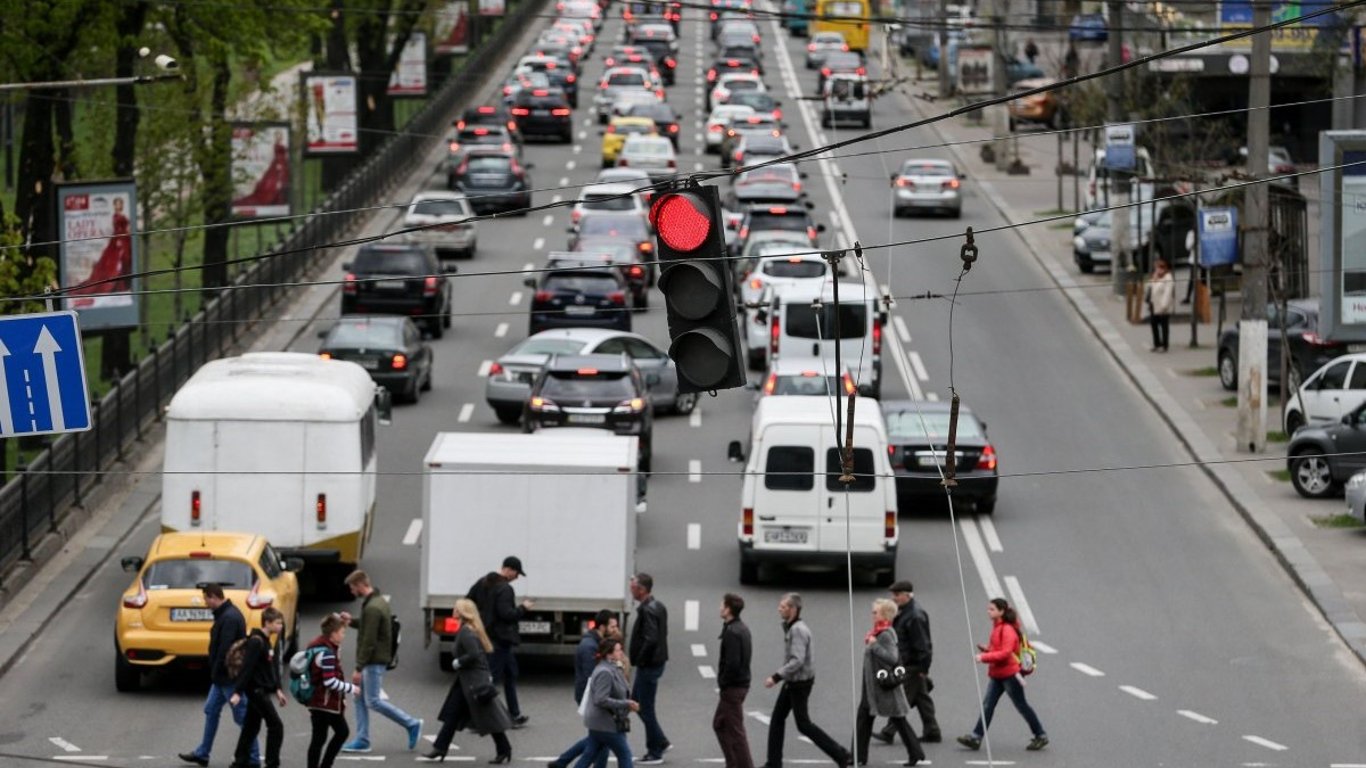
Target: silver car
<point>1355,491</point>
<point>928,185</point>
<point>509,378</point>
<point>822,44</point>
<point>616,81</point>
<point>652,154</point>
<point>444,218</point>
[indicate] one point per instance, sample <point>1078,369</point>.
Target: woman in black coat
<point>472,702</point>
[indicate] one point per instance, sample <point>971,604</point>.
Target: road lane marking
<point>919,366</point>
<point>697,137</point>
<point>63,744</point>
<point>809,741</point>
<point>694,535</point>
<point>484,368</point>
<point>527,267</point>
<point>902,365</point>
<point>466,411</point>
<point>414,531</point>
<point>1138,693</point>
<point>697,166</point>
<point>690,616</point>
<point>548,220</point>
<point>933,397</point>
<point>1268,743</point>
<point>500,331</point>
<point>706,671</point>
<point>1043,647</point>
<point>694,470</point>
<point>973,540</point>
<point>578,148</point>
<point>536,245</point>
<point>902,331</point>
<point>1085,669</point>
<point>989,533</point>
<point>95,757</point>
<point>1017,596</point>
<point>976,762</point>
<point>583,135</point>
<point>1197,717</point>
<point>760,716</point>
<point>699,650</point>
<point>515,298</point>
<point>554,199</point>
<point>569,166</point>
<point>564,181</point>
<point>695,418</point>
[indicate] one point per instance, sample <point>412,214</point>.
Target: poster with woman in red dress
<point>260,170</point>
<point>99,252</point>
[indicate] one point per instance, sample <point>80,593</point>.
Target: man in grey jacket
<point>797,674</point>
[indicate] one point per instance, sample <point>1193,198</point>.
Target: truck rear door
<point>785,497</point>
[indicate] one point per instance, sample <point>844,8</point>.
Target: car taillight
<point>844,48</point>
<point>575,215</point>
<point>673,163</point>
<point>349,284</point>
<point>507,90</point>
<point>495,370</point>
<point>637,270</point>
<point>454,146</point>
<point>136,601</point>
<point>543,296</point>
<point>756,284</point>
<point>713,129</point>
<point>744,232</point>
<point>325,355</point>
<point>646,247</point>
<point>987,460</point>
<point>889,525</point>
<point>194,507</point>
<point>320,510</point>
<point>673,128</point>
<point>777,114</point>
<point>951,184</point>
<point>825,71</point>
<point>711,75</point>
<point>747,522</point>
<point>429,286</point>
<point>617,297</point>
<point>811,233</point>
<point>810,46</point>
<point>770,383</point>
<point>257,600</point>
<point>659,93</point>
<point>670,63</point>
<point>446,625</point>
<point>400,362</point>
<point>861,71</point>
<point>877,337</point>
<point>560,111</point>
<point>774,331</point>
<point>571,79</point>
<point>521,112</point>
<point>756,38</point>
<point>904,182</point>
<point>623,162</point>
<point>1313,339</point>
<point>796,186</point>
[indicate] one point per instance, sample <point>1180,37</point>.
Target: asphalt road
<point>1169,635</point>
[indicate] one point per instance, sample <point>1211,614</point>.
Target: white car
<point>1332,392</point>
<point>805,377</point>
<point>821,44</point>
<point>733,82</point>
<point>618,80</point>
<point>652,154</point>
<point>444,217</point>
<point>719,119</point>
<point>620,198</point>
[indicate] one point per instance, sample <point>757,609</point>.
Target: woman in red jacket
<point>1001,656</point>
<point>330,690</point>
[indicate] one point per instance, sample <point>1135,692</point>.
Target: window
<point>794,268</point>
<point>363,333</point>
<point>390,262</point>
<point>440,208</point>
<point>604,385</point>
<point>488,164</point>
<point>191,573</point>
<point>865,472</point>
<point>580,283</point>
<point>1358,377</point>
<point>548,347</point>
<point>270,564</point>
<point>803,322</point>
<point>911,424</point>
<point>790,468</point>
<point>598,202</point>
<point>611,347</point>
<point>1336,376</point>
<point>640,350</point>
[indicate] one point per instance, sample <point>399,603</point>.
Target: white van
<point>846,100</point>
<point>798,329</point>
<point>1099,183</point>
<point>794,509</point>
<point>281,444</point>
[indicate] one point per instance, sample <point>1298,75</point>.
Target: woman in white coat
<point>1160,294</point>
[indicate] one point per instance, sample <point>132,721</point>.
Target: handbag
<point>485,693</point>
<point>622,721</point>
<point>889,675</point>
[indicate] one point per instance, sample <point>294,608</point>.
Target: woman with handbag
<point>884,694</point>
<point>472,702</point>
<point>607,707</point>
<point>1001,656</point>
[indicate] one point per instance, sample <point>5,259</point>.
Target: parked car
<point>1355,491</point>
<point>388,347</point>
<point>1042,108</point>
<point>1328,394</point>
<point>1321,459</point>
<point>1308,350</point>
<point>1165,238</point>
<point>1089,27</point>
<point>399,279</point>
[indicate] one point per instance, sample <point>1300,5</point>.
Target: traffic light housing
<point>695,278</point>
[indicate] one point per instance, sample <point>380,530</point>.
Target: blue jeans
<point>503,668</point>
<point>600,742</point>
<point>644,691</point>
<point>566,758</point>
<point>371,683</point>
<point>1012,687</point>
<point>213,708</point>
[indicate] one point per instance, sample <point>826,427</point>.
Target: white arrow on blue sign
<point>43,389</point>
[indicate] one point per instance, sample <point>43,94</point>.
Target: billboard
<point>492,7</point>
<point>1120,152</point>
<point>98,256</point>
<point>330,101</point>
<point>1237,14</point>
<point>1218,236</point>
<point>974,70</point>
<point>409,78</point>
<point>1342,235</point>
<point>260,170</point>
<point>451,32</point>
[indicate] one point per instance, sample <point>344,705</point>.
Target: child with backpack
<point>317,682</point>
<point>1002,657</point>
<point>256,677</point>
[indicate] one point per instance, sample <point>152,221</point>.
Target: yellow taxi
<point>162,619</point>
<point>614,138</point>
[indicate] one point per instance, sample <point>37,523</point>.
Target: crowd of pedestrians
<point>613,679</point>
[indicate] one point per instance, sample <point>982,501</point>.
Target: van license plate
<point>785,537</point>
<point>191,614</point>
<point>533,627</point>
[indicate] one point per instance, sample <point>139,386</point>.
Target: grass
<point>1335,521</point>
<point>1054,212</point>
<point>1282,475</point>
<point>1277,436</point>
<point>1206,371</point>
<point>1060,225</point>
<point>1230,402</point>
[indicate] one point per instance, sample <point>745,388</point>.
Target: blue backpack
<point>301,666</point>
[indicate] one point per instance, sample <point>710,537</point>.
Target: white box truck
<point>563,500</point>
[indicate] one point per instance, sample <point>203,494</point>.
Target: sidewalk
<point>1324,562</point>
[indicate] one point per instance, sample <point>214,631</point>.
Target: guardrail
<point>33,503</point>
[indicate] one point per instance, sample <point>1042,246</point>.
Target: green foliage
<point>1335,521</point>
<point>21,275</point>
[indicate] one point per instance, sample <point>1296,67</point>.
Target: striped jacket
<point>330,686</point>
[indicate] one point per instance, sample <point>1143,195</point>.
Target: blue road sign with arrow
<point>42,375</point>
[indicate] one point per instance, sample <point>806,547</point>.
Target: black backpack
<point>395,630</point>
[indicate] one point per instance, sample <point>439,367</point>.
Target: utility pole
<point>1116,181</point>
<point>1252,329</point>
<point>942,33</point>
<point>1000,122</point>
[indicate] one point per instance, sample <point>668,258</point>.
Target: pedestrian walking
<point>648,653</point>
<point>880,654</point>
<point>916,650</point>
<point>1071,62</point>
<point>501,614</point>
<point>1001,656</point>
<point>327,706</point>
<point>256,683</point>
<point>585,661</point>
<point>1031,50</point>
<point>607,708</point>
<point>374,652</point>
<point>732,679</point>
<point>798,676</point>
<point>1160,295</point>
<point>472,701</point>
<point>228,627</point>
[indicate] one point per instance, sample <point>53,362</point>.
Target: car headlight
<point>1079,243</point>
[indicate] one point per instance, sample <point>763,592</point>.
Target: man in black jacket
<point>648,652</point>
<point>500,612</point>
<point>732,678</point>
<point>912,627</point>
<point>257,681</point>
<point>228,628</point>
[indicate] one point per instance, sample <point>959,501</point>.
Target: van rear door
<point>852,515</point>
<point>812,333</point>
<point>785,496</point>
<point>260,480</point>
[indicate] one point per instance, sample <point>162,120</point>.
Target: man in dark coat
<point>500,612</point>
<point>912,627</point>
<point>648,653</point>
<point>228,628</point>
<point>732,679</point>
<point>258,684</point>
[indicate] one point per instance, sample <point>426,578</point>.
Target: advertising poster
<point>451,33</point>
<point>1237,14</point>
<point>1218,236</point>
<point>99,252</point>
<point>1353,212</point>
<point>974,70</point>
<point>1120,154</point>
<point>492,7</point>
<point>410,76</point>
<point>331,113</point>
<point>260,170</point>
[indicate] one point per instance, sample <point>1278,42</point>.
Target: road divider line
<point>973,540</point>
<point>1017,596</point>
<point>500,331</point>
<point>583,135</point>
<point>933,397</point>
<point>977,762</point>
<point>484,368</point>
<point>694,470</point>
<point>527,267</point>
<point>698,167</point>
<point>515,298</point>
<point>569,166</point>
<point>466,412</point>
<point>1043,647</point>
<point>556,199</point>
<point>690,615</point>
<point>1268,743</point>
<point>536,245</point>
<point>564,181</point>
<point>694,535</point>
<point>904,367</point>
<point>706,671</point>
<point>414,531</point>
<point>578,148</point>
<point>548,220</point>
<point>1197,717</point>
<point>760,716</point>
<point>97,758</point>
<point>918,365</point>
<point>902,331</point>
<point>1138,693</point>
<point>989,533</point>
<point>695,418</point>
<point>699,650</point>
<point>63,744</point>
<point>1086,669</point>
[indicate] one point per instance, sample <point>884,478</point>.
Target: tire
<point>642,299</point>
<point>437,328</point>
<point>986,506</point>
<point>427,381</point>
<point>684,403</point>
<point>410,392</point>
<point>446,660</point>
<point>1228,370</point>
<point>446,319</point>
<point>884,578</point>
<point>127,678</point>
<point>749,572</point>
<point>1293,421</point>
<point>1312,475</point>
<point>508,414</point>
<point>1085,266</point>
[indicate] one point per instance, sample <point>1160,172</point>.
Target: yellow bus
<point>855,30</point>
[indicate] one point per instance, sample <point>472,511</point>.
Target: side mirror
<point>131,564</point>
<point>294,564</point>
<point>384,406</point>
<point>802,175</point>
<point>734,452</point>
<point>529,282</point>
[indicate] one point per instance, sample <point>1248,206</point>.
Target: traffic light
<point>696,281</point>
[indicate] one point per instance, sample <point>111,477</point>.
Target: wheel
<point>684,403</point>
<point>1228,370</point>
<point>508,414</point>
<point>884,578</point>
<point>1293,421</point>
<point>1086,266</point>
<point>642,298</point>
<point>1312,475</point>
<point>446,319</point>
<point>436,328</point>
<point>127,678</point>
<point>956,213</point>
<point>756,359</point>
<point>868,121</point>
<point>446,660</point>
<point>986,506</point>
<point>749,572</point>
<point>410,392</point>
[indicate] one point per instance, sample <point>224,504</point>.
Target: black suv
<point>388,346</point>
<point>596,391</point>
<point>399,279</point>
<point>787,218</point>
<point>561,75</point>
<point>543,112</point>
<point>1308,350</point>
<point>488,116</point>
<point>578,297</point>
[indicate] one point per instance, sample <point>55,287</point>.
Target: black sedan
<point>916,436</point>
<point>1321,459</point>
<point>594,391</point>
<point>389,347</point>
<point>666,119</point>
<point>492,180</point>
<point>1308,351</point>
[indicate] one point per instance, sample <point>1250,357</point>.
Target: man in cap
<point>912,627</point>
<point>500,612</point>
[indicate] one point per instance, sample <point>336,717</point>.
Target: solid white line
<point>1268,743</point>
<point>1138,693</point>
<point>484,368</point>
<point>989,533</point>
<point>1043,647</point>
<point>578,148</point>
<point>466,411</point>
<point>500,331</point>
<point>63,744</point>
<point>699,650</point>
<point>414,531</point>
<point>904,368</point>
<point>536,245</point>
<point>569,166</point>
<point>978,762</point>
<point>1017,596</point>
<point>706,671</point>
<point>902,331</point>
<point>973,540</point>
<point>694,536</point>
<point>760,716</point>
<point>919,366</point>
<point>548,220</point>
<point>564,181</point>
<point>933,397</point>
<point>695,418</point>
<point>694,470</point>
<point>556,199</point>
<point>515,298</point>
<point>97,757</point>
<point>1197,717</point>
<point>1347,765</point>
<point>1085,669</point>
<point>690,608</point>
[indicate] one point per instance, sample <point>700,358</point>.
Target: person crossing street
<point>797,675</point>
<point>502,615</point>
<point>732,681</point>
<point>912,627</point>
<point>648,653</point>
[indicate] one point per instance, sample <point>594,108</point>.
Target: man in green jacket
<point>374,651</point>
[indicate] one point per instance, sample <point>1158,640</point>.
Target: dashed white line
<point>500,331</point>
<point>1138,693</point>
<point>1085,669</point>
<point>536,245</point>
<point>1017,596</point>
<point>527,267</point>
<point>976,762</point>
<point>548,219</point>
<point>414,531</point>
<point>58,741</point>
<point>973,540</point>
<point>933,397</point>
<point>760,716</point>
<point>694,536</point>
<point>556,199</point>
<point>699,650</point>
<point>1197,717</point>
<point>695,418</point>
<point>694,470</point>
<point>100,758</point>
<point>484,368</point>
<point>515,298</point>
<point>578,148</point>
<point>1268,743</point>
<point>690,614</point>
<point>564,181</point>
<point>569,166</point>
<point>1042,647</point>
<point>466,411</point>
<point>902,331</point>
<point>918,365</point>
<point>989,533</point>
<point>697,137</point>
<point>582,135</point>
<point>697,166</point>
<point>706,671</point>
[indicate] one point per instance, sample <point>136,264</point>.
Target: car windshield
<point>389,262</point>
<point>626,78</point>
<point>571,384</point>
<point>489,164</point>
<point>360,333</point>
<point>925,169</point>
<point>581,282</point>
<point>623,226</point>
<point>913,425</point>
<point>742,84</point>
<point>804,322</point>
<point>609,202</point>
<point>794,267</point>
<point>787,222</point>
<point>190,573</point>
<point>756,100</point>
<point>547,347</point>
<point>634,128</point>
<point>439,208</point>
<point>649,148</point>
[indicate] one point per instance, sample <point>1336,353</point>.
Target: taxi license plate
<point>587,418</point>
<point>785,537</point>
<point>580,311</point>
<point>533,627</point>
<point>191,614</point>
<point>391,285</point>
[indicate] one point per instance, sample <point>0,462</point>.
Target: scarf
<point>878,627</point>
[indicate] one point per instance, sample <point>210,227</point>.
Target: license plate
<point>1100,255</point>
<point>533,627</point>
<point>929,461</point>
<point>1356,347</point>
<point>587,418</point>
<point>369,363</point>
<point>391,285</point>
<point>580,311</point>
<point>191,614</point>
<point>541,112</point>
<point>785,536</point>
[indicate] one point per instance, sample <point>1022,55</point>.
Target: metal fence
<point>35,501</point>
